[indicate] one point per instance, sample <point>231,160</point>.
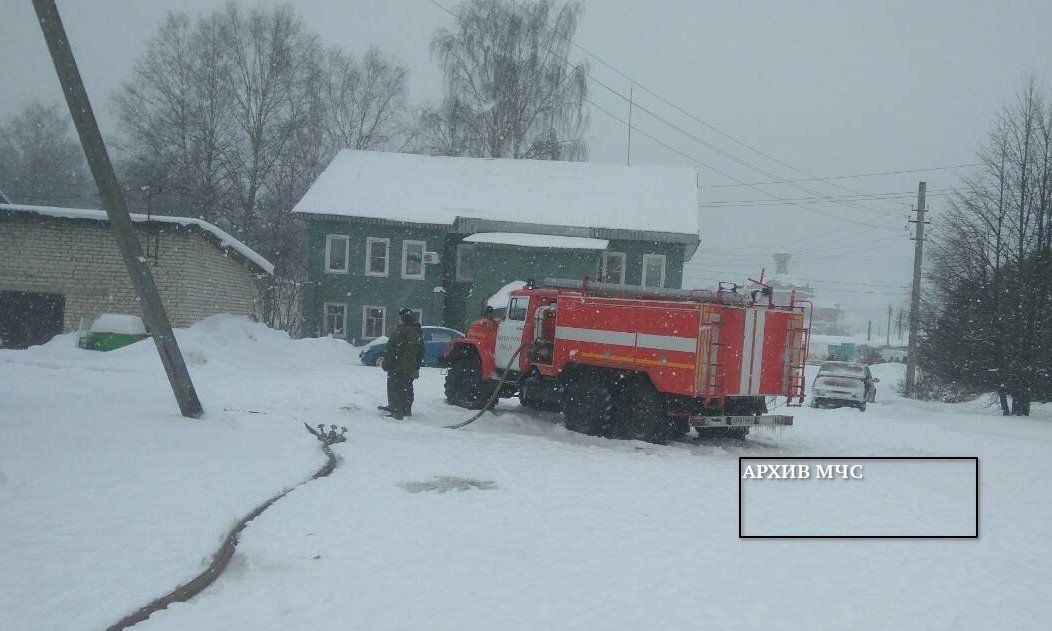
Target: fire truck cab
<point>635,363</point>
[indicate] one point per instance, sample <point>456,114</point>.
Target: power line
<point>820,285</point>
<point>729,176</point>
<point>701,141</point>
<point>828,285</point>
<point>856,175</point>
<point>726,154</point>
<point>809,176</point>
<point>826,198</point>
<point>782,243</point>
<point>833,290</point>
<point>836,252</point>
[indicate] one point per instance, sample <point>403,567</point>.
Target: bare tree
<point>231,116</point>
<point>40,160</point>
<point>365,101</point>
<point>175,117</point>
<point>269,52</point>
<point>510,91</point>
<point>989,326</point>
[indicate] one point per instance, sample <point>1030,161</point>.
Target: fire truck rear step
<point>770,420</point>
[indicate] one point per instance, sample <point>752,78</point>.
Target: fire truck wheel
<point>680,428</point>
<point>641,414</point>
<point>588,404</point>
<point>464,385</point>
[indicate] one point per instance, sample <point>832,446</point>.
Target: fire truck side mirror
<point>487,312</point>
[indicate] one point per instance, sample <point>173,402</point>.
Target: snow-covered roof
<point>502,297</point>
<point>438,190</point>
<point>538,240</point>
<point>225,240</point>
<point>118,323</point>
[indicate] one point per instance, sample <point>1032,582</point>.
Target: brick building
<point>61,266</point>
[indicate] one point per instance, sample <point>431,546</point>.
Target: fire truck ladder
<point>798,344</point>
<point>715,373</point>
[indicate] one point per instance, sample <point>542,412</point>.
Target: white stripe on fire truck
<point>621,338</point>
<point>667,342</point>
<point>757,353</point>
<point>747,338</point>
<point>595,335</point>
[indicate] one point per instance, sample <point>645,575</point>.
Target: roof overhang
<point>533,240</point>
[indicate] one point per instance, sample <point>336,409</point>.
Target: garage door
<point>28,319</point>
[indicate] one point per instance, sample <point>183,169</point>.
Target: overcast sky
<point>827,88</point>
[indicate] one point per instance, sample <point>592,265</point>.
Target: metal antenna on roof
<point>116,209</point>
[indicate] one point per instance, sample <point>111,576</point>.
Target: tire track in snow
<point>221,559</point>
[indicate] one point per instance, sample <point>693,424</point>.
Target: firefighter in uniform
<point>405,352</point>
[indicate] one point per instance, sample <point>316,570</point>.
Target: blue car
<point>435,340</point>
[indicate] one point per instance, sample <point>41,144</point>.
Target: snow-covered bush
<point>929,388</point>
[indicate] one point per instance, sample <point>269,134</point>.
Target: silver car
<point>839,384</point>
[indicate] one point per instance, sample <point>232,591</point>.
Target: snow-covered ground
<point>109,499</point>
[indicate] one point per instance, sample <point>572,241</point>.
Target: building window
<point>465,262</point>
<point>337,250</point>
<point>413,259</point>
<point>373,319</point>
<point>653,270</point>
<point>613,270</point>
<point>376,256</point>
<point>418,315</point>
<point>335,320</point>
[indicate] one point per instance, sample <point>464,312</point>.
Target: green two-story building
<point>442,235</point>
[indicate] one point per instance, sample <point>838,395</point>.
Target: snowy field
<point>108,499</point>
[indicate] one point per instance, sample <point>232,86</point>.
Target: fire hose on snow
<point>488,406</point>
<point>221,558</point>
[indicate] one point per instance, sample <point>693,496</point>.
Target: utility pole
<point>628,154</point>
<point>888,341</point>
<point>918,256</point>
<point>869,330</point>
<point>116,210</point>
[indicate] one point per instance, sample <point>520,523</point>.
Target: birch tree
<point>510,90</point>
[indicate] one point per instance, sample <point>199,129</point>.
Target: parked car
<point>839,384</point>
<point>435,340</point>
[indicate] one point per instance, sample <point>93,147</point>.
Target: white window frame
<point>369,241</point>
<point>405,259</point>
<point>325,318</point>
<point>518,300</point>
<point>643,276</point>
<point>609,255</point>
<point>383,324</point>
<point>460,277</point>
<point>346,254</point>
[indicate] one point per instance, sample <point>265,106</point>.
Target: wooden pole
<point>888,341</point>
<point>915,297</point>
<point>112,197</point>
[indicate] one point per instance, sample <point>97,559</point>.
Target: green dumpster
<point>114,330</point>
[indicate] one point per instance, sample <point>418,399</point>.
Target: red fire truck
<point>637,363</point>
